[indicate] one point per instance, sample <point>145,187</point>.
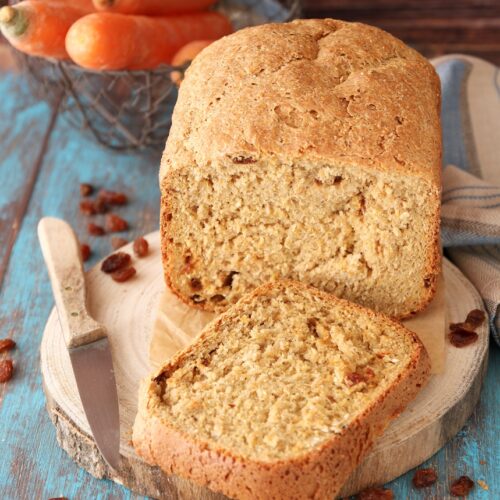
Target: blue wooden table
<point>42,163</point>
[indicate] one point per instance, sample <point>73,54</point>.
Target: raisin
<point>217,298</point>
<point>114,262</point>
<point>197,299</point>
<point>7,345</point>
<point>85,252</point>
<point>427,282</point>
<point>86,189</point>
<point>311,325</point>
<point>354,378</point>
<point>122,275</point>
<point>95,230</point>
<point>195,284</point>
<point>113,197</point>
<point>462,486</point>
<point>87,207</point>
<point>424,478</point>
<point>369,373</point>
<point>460,337</point>
<point>100,206</point>
<point>117,242</point>
<point>475,318</point>
<point>244,160</point>
<point>228,281</point>
<point>6,370</point>
<point>115,224</point>
<point>188,261</point>
<point>141,247</point>
<point>375,494</point>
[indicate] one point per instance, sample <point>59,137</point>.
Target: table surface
<point>42,163</point>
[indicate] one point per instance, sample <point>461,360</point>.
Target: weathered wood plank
<point>22,143</point>
<point>32,464</point>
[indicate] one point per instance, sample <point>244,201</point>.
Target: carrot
<point>39,28</point>
<point>186,54</point>
<point>152,7</point>
<point>110,41</point>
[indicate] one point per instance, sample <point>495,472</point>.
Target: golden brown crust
<point>311,90</point>
<point>321,90</point>
<point>318,474</point>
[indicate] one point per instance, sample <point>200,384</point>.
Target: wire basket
<point>131,110</point>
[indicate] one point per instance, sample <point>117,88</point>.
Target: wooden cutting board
<point>129,310</point>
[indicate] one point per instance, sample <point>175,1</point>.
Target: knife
<point>85,338</point>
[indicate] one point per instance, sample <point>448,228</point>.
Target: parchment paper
<point>177,325</point>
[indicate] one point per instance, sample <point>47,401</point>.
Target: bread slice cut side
<point>364,236</point>
<point>281,396</point>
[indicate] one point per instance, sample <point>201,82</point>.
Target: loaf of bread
<point>311,151</point>
<point>281,396</point>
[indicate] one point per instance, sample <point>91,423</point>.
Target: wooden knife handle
<point>61,252</point>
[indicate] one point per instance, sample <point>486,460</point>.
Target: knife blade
<point>85,338</point>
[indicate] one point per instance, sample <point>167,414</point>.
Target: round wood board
<point>129,309</point>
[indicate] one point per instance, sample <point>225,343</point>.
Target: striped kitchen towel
<point>470,227</point>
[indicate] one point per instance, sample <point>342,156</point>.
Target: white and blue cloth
<point>470,218</point>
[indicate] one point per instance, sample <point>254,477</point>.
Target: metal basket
<point>131,110</point>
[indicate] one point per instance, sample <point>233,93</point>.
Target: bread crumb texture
<point>311,151</point>
<point>281,373</point>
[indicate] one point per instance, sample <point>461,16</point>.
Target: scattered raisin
<point>6,370</point>
<point>197,299</point>
<point>195,284</point>
<point>376,494</point>
<point>95,230</point>
<point>427,282</point>
<point>86,189</point>
<point>462,486</point>
<point>475,318</point>
<point>217,298</point>
<point>141,247</point>
<point>87,207</point>
<point>122,275</point>
<point>85,252</point>
<point>424,478</point>
<point>113,197</point>
<point>228,281</point>
<point>461,337</point>
<point>117,242</point>
<point>7,345</point>
<point>115,224</point>
<point>369,373</point>
<point>354,378</point>
<point>114,262</point>
<point>100,206</point>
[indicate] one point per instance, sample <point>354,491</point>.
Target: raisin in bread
<point>310,151</point>
<point>281,396</point>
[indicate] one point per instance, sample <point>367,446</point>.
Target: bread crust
<point>368,115</point>
<point>318,474</point>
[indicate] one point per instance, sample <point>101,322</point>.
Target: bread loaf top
<point>309,91</point>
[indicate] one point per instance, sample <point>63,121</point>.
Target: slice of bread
<point>310,151</point>
<point>281,396</point>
